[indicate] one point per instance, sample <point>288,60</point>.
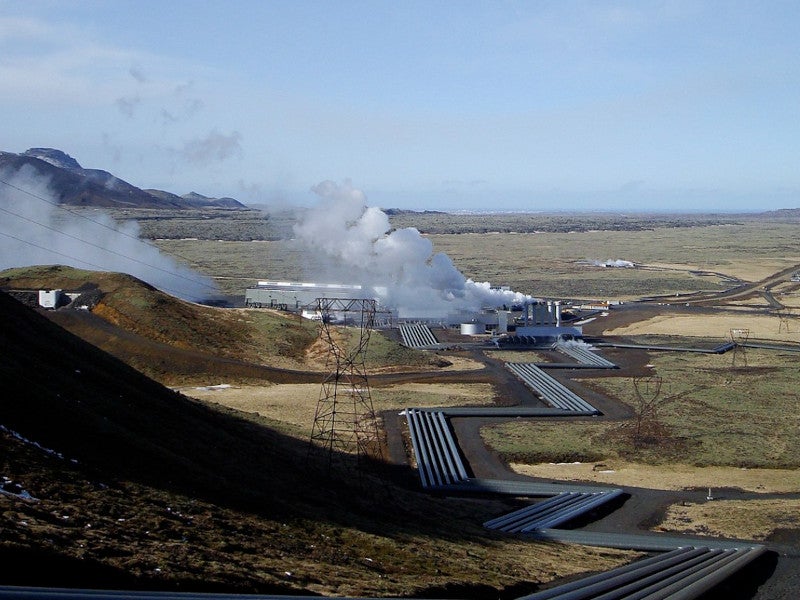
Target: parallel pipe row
<point>549,389</point>
<point>552,512</point>
<point>438,459</point>
<point>417,335</point>
<point>585,356</point>
<point>686,569</point>
<point>681,574</point>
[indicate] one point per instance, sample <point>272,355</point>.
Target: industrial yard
<point>465,373</point>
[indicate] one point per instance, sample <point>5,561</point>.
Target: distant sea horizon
<point>607,211</point>
<point>552,211</point>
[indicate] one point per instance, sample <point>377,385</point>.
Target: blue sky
<point>434,105</point>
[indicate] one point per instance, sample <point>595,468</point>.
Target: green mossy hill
<point>138,308</point>
<point>260,337</point>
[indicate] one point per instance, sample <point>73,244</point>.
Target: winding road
<point>625,523</point>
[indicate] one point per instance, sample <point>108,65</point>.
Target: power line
<point>98,246</point>
<point>75,258</point>
<point>120,254</point>
<point>72,212</point>
<point>83,241</point>
<point>35,245</point>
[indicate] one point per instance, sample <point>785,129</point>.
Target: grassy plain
<point>724,417</point>
<point>678,260</point>
<point>751,519</point>
<point>292,406</point>
<point>672,476</point>
<point>765,326</point>
<point>535,254</point>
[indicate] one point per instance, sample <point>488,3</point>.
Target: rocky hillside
<point>109,480</point>
<point>107,472</point>
<point>73,185</point>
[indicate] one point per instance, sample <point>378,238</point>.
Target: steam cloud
<point>613,263</point>
<point>355,243</point>
<point>36,232</point>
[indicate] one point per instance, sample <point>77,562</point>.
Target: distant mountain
<point>404,211</point>
<point>783,213</point>
<point>57,158</point>
<point>199,201</point>
<point>76,186</point>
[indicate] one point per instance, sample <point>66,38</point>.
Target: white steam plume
<point>356,242</point>
<point>35,231</point>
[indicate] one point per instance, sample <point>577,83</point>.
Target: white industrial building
<point>535,321</point>
<point>50,298</point>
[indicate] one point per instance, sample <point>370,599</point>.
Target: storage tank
<point>472,329</point>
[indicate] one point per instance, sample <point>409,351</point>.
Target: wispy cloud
<point>214,147</point>
<point>138,74</point>
<point>127,105</point>
<point>61,64</point>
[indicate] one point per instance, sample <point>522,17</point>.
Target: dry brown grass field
<point>292,406</point>
<point>742,519</point>
<point>669,260</point>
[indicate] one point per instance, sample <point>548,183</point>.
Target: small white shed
<point>49,298</point>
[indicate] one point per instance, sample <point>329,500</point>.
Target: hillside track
<point>135,349</point>
<point>188,362</point>
<point>741,292</point>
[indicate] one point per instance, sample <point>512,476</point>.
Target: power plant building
<point>541,323</point>
<point>534,322</point>
<point>293,296</point>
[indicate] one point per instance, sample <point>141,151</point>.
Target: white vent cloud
<point>355,243</point>
<point>35,231</point>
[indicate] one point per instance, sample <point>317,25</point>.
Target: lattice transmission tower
<point>739,338</point>
<point>345,423</point>
<point>784,314</point>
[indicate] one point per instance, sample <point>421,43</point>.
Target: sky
<point>425,105</point>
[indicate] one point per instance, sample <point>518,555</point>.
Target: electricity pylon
<point>345,421</point>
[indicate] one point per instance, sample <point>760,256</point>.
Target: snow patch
<point>36,445</point>
<point>211,388</point>
<point>9,488</point>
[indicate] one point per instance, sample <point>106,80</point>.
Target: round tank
<point>471,329</point>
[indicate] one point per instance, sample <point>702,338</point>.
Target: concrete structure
<point>537,320</point>
<point>540,312</point>
<point>502,321</point>
<point>548,334</point>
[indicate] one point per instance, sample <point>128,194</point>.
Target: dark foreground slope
<point>111,480</point>
<point>69,395</point>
